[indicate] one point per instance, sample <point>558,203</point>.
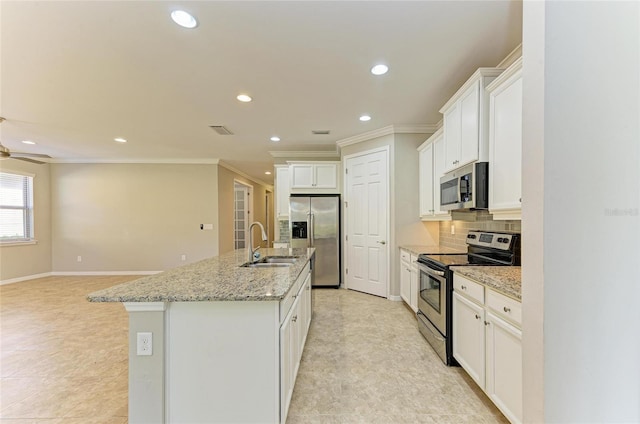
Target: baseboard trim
<point>25,278</point>
<point>73,274</point>
<point>395,298</point>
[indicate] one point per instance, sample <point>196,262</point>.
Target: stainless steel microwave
<point>465,188</point>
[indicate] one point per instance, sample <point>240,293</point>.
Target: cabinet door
<point>438,171</point>
<point>505,146</point>
<point>325,176</point>
<point>305,311</point>
<point>301,175</point>
<point>286,374</point>
<point>504,367</point>
<point>468,337</point>
<point>469,125</point>
<point>452,137</point>
<point>282,191</point>
<point>405,282</point>
<point>425,161</point>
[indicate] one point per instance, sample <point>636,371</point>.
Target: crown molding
<point>511,57</point>
<point>513,70</point>
<point>390,129</point>
<point>303,154</point>
<point>204,161</point>
<point>243,174</point>
<point>475,77</point>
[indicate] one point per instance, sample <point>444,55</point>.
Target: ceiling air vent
<point>320,132</point>
<point>221,129</point>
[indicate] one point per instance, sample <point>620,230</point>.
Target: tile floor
<point>64,360</point>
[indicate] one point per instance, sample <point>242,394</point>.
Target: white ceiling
<point>75,75</point>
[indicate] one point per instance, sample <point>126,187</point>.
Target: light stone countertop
<point>215,279</point>
<point>417,249</point>
<point>503,279</point>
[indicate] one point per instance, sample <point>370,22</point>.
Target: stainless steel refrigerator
<point>315,222</point>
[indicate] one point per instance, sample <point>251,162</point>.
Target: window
<point>16,207</point>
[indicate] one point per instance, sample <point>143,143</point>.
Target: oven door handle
<point>430,270</point>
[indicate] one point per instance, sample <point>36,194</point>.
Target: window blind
<point>16,207</point>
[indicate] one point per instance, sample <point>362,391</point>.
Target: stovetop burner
<point>483,248</point>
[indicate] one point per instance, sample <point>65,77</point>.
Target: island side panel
<point>146,373</point>
<point>223,362</point>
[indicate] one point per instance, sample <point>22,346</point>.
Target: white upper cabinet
<point>466,127</point>
<point>282,191</point>
<point>426,180</point>
<point>505,143</point>
<point>431,168</point>
<point>314,176</point>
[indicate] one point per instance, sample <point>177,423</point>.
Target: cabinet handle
<point>520,200</point>
<point>294,318</point>
<point>463,287</point>
<point>295,295</point>
<point>477,316</point>
<point>506,309</point>
<point>487,323</point>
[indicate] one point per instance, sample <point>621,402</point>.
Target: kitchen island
<point>216,342</point>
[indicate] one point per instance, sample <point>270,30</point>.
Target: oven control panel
<point>500,241</point>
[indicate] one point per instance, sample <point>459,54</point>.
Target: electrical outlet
<point>183,257</point>
<point>79,258</point>
<point>453,229</point>
<point>145,344</point>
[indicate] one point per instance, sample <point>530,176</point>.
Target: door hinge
<point>346,204</point>
<point>346,271</point>
<point>346,170</point>
<point>347,238</point>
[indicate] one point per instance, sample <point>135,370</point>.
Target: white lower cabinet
<point>468,337</point>
<point>409,279</point>
<point>487,342</point>
<point>504,366</point>
<point>293,335</point>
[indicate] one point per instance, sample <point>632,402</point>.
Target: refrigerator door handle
<point>311,230</point>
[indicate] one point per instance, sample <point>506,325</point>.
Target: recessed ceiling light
<point>244,98</point>
<point>120,140</point>
<point>379,69</point>
<point>28,142</point>
<point>267,172</point>
<point>365,118</point>
<point>184,19</point>
<point>275,138</point>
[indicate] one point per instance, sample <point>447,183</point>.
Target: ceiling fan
<point>7,154</point>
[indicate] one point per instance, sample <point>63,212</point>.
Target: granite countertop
<point>215,279</point>
<point>433,250</point>
<point>503,279</point>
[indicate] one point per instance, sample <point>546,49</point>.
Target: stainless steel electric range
<point>436,283</point>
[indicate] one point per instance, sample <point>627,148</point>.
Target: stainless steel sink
<point>279,259</point>
<point>265,264</point>
<point>271,262</point>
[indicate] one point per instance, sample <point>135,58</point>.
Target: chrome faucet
<point>251,250</point>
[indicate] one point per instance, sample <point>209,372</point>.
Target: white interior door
<point>367,211</point>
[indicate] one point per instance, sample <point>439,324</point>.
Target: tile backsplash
<point>283,230</point>
<point>463,222</point>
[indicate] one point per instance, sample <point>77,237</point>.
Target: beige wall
<point>21,261</point>
<point>226,180</point>
<point>132,217</point>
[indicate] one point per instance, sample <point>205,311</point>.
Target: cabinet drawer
<point>405,255</point>
<point>505,306</point>
<point>468,288</point>
<point>294,292</point>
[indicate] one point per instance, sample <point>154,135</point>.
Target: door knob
<point>382,242</point>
